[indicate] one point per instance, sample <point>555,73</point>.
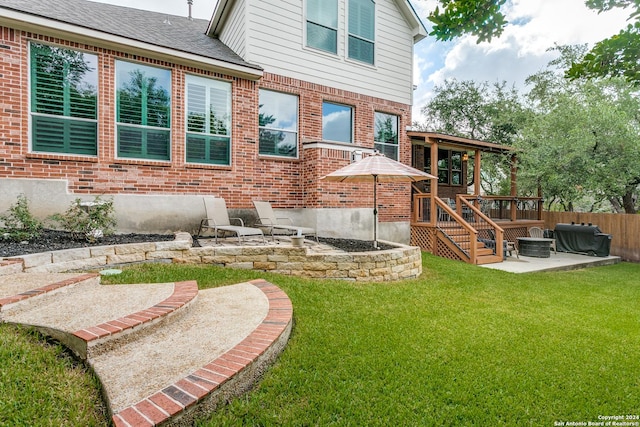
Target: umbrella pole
<point>375,212</point>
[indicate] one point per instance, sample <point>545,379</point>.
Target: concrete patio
<point>556,262</point>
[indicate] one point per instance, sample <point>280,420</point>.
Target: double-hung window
<point>337,122</point>
<point>208,121</point>
<point>362,17</point>
<point>386,134</point>
<point>143,111</point>
<point>64,94</point>
<point>278,124</point>
<point>322,25</point>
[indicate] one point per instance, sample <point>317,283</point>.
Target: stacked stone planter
<point>394,264</point>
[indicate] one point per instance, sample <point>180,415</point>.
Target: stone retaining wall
<point>393,264</point>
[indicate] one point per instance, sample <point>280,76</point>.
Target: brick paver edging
<point>45,289</point>
<point>184,293</point>
<point>231,374</point>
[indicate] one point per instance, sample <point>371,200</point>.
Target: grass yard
<point>42,384</point>
<point>461,345</point>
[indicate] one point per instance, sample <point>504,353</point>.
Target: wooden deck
<point>465,232</point>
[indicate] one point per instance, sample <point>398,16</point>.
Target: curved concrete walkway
<point>165,353</point>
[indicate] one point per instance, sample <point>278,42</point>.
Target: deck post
<point>540,203</point>
<point>434,183</point>
<point>514,187</point>
<point>476,172</point>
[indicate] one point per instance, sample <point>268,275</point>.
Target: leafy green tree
<point>481,111</point>
<point>617,56</point>
<point>476,110</point>
<point>583,147</point>
<point>386,131</point>
<point>481,18</point>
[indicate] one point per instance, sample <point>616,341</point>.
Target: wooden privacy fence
<point>625,229</point>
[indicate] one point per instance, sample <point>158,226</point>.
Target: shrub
<point>19,223</point>
<point>88,221</point>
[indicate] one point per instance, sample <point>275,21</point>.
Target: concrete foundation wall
<point>166,214</point>
<point>145,213</point>
<point>350,223</point>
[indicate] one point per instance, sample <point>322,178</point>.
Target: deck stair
<point>165,353</point>
<point>461,239</point>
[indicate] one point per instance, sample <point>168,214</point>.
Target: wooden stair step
<point>484,251</point>
<point>488,259</point>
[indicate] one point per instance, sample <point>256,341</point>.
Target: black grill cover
<point>587,239</point>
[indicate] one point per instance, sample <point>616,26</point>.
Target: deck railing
<point>461,233</point>
<point>463,224</point>
<point>507,207</point>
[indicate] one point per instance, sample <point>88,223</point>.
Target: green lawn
<point>461,345</point>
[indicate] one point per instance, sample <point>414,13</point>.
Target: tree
<point>617,56</point>
<point>583,146</point>
<point>481,111</point>
<point>475,110</point>
<point>481,18</point>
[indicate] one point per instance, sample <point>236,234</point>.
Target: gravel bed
<point>54,240</point>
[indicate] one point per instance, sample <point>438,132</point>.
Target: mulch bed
<point>53,240</point>
<point>352,245</point>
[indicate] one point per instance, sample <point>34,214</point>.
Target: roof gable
<point>177,33</point>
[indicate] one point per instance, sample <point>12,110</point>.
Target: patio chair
<point>218,220</point>
<point>538,233</point>
<point>282,225</point>
<point>508,247</point>
<point>444,215</point>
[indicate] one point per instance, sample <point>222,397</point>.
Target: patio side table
<point>534,247</point>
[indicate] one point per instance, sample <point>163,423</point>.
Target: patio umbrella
<point>377,168</point>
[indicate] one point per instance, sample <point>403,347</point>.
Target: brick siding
<point>288,183</point>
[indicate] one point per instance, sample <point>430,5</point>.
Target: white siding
<point>276,42</point>
<point>234,31</point>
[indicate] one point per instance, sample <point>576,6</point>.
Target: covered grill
<point>580,238</point>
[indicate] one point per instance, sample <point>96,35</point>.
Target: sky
<point>534,26</point>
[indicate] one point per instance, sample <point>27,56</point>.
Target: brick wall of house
<point>288,183</point>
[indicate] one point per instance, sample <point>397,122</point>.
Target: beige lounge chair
<point>218,220</point>
<point>538,233</point>
<point>283,225</point>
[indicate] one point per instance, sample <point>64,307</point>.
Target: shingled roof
<point>178,33</point>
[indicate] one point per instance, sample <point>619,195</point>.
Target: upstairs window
<point>322,25</point>
<point>64,94</point>
<point>337,122</point>
<point>362,16</point>
<point>208,121</point>
<point>143,111</point>
<point>386,134</point>
<point>278,124</point>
